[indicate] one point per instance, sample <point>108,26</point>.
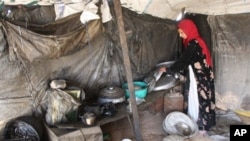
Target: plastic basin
<point>140,88</point>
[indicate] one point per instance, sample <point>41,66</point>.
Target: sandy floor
<point>152,129</point>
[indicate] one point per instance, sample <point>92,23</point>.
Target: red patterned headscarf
<point>190,29</point>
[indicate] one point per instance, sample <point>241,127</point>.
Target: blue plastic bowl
<point>141,89</point>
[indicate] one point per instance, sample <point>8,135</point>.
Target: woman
<point>196,58</point>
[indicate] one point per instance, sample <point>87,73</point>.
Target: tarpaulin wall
<point>37,52</point>
<point>231,50</point>
<point>36,49</point>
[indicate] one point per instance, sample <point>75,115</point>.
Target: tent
<point>228,22</point>
<point>170,9</point>
<point>78,40</point>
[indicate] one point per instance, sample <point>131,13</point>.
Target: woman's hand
<point>163,69</point>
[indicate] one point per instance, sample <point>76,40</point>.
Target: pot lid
<point>112,92</point>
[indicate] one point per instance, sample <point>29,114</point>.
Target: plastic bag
<point>60,103</point>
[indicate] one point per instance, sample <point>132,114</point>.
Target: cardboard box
<point>80,134</point>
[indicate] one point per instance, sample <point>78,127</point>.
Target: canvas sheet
<point>89,54</point>
<point>231,42</point>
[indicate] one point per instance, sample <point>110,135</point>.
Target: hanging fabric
<point>193,102</point>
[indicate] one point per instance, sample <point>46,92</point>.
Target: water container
<point>173,101</point>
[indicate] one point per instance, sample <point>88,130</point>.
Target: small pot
<point>88,118</point>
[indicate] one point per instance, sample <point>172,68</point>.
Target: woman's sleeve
<point>186,59</point>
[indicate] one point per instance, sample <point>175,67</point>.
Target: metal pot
<point>166,82</point>
<point>111,94</point>
<point>88,118</point>
<point>158,80</point>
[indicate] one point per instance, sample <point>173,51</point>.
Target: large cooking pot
<point>111,94</point>
<point>158,80</point>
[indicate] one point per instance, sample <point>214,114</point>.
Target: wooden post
<point>126,61</point>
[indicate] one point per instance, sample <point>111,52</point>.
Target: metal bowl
<point>178,123</point>
<point>183,129</point>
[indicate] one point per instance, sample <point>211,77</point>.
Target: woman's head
<point>182,34</point>
<point>187,30</point>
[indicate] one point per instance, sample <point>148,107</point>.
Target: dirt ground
<point>152,130</point>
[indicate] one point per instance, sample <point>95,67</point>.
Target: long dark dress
<point>205,82</point>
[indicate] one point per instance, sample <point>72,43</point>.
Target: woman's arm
<point>187,57</point>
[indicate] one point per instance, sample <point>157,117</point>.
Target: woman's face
<point>182,34</point>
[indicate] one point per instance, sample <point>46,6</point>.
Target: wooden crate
<point>81,134</point>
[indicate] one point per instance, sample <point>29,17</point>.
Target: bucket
<point>178,123</point>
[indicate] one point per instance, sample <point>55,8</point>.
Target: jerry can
<point>173,101</point>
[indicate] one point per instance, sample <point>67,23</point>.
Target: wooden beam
<point>126,61</point>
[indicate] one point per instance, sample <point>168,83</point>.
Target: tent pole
<point>126,61</point>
